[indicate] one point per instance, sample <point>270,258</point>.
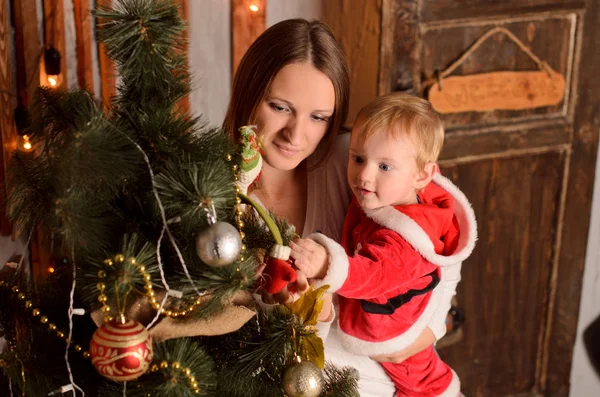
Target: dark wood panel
<point>7,125</point>
<point>572,251</point>
<point>437,10</point>
<point>108,81</point>
<point>504,285</point>
<point>399,30</point>
<point>550,39</point>
<point>494,140</point>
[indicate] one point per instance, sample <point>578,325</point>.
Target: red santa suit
<point>386,273</point>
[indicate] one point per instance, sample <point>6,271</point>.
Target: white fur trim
<point>395,220</point>
<point>337,273</point>
<point>453,389</point>
<point>366,348</point>
<point>280,252</point>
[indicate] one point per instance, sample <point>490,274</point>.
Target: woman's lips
<point>285,150</point>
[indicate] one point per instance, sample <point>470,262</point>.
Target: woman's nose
<point>293,131</point>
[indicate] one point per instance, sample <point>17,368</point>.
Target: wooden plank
<point>358,27</point>
<point>571,252</point>
<point>54,34</point>
<point>7,104</point>
<point>399,32</point>
<point>107,70</point>
<point>499,140</point>
<point>246,26</point>
<point>184,104</point>
<point>504,283</point>
<point>83,31</point>
<point>438,10</point>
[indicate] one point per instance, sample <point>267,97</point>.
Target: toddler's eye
<point>384,167</point>
<point>357,159</point>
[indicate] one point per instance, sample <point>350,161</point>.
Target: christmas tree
<point>142,208</point>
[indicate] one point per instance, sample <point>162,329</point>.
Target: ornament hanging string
<point>70,314</point>
<point>165,227</point>
<point>439,76</point>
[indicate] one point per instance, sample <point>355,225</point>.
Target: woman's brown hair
<point>287,42</point>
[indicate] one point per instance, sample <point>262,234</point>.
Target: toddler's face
<point>383,171</point>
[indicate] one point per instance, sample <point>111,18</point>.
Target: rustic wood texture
<point>184,104</point>
<point>437,10</point>
<point>495,141</point>
<point>7,104</point>
<point>358,28</point>
<point>83,29</point>
<point>575,222</point>
<point>549,39</point>
<point>504,284</point>
<point>399,46</point>
<point>30,54</point>
<point>246,26</point>
<point>497,91</point>
<point>108,81</point>
<point>54,33</point>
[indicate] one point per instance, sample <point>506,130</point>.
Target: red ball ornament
<point>121,350</point>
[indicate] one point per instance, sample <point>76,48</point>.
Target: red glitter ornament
<point>121,350</point>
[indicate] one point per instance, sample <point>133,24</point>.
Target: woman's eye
<point>384,167</point>
<point>316,117</point>
<point>278,108</point>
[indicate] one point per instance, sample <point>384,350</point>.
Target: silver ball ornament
<point>219,244</point>
<point>303,379</point>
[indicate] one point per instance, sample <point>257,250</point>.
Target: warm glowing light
<point>253,7</point>
<point>53,80</point>
<point>24,144</point>
<point>50,269</point>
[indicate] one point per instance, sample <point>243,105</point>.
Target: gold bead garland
<point>177,367</point>
<point>35,312</point>
<point>150,294</point>
<point>238,208</point>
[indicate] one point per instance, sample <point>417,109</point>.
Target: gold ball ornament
<point>121,351</point>
<point>303,379</point>
<point>219,244</point>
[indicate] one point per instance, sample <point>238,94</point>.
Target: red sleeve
<point>383,265</point>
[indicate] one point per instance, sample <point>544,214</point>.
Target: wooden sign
<point>497,90</point>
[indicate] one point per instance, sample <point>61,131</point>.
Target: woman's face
<point>295,115</point>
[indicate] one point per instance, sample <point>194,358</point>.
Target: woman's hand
<point>310,257</point>
<point>426,339</point>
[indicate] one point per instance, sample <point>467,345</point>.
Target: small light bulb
<point>53,80</point>
<point>253,7</point>
<point>50,269</point>
<point>27,145</point>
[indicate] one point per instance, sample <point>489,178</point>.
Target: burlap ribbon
<point>232,318</point>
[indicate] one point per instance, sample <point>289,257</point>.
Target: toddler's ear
<point>426,175</point>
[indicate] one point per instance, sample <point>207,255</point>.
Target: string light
<point>52,66</point>
<point>254,7</point>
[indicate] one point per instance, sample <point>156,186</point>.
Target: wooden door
<point>528,173</point>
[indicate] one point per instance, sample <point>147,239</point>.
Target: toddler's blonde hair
<point>407,115</point>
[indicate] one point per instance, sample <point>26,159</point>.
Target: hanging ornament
<point>303,379</point>
<point>251,165</point>
<point>219,244</point>
<point>121,350</point>
<point>278,272</point>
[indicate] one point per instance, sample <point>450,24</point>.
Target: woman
<point>293,84</point>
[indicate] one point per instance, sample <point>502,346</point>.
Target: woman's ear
<point>426,175</point>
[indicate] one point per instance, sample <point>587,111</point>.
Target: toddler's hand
<point>310,257</point>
